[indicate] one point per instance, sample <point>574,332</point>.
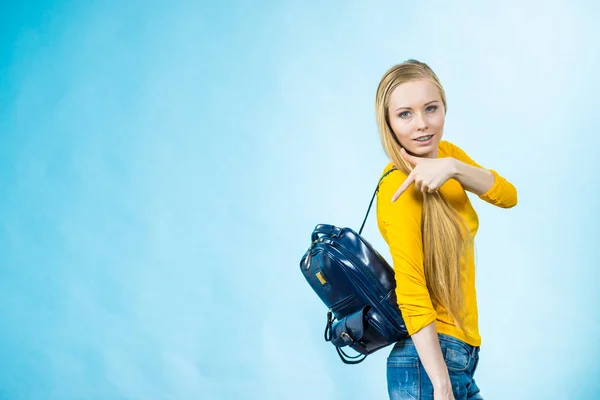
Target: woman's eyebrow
<point>408,108</point>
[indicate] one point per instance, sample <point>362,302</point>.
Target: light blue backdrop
<point>162,165</point>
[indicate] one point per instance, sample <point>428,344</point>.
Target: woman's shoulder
<point>390,173</point>
<point>389,166</point>
<point>408,205</point>
<point>390,180</point>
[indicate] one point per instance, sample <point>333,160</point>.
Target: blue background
<point>163,164</point>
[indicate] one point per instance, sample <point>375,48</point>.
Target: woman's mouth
<point>424,140</point>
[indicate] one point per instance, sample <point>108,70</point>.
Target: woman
<point>426,218</point>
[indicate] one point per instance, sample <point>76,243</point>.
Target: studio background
<point>162,165</point>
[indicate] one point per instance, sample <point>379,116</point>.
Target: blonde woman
<point>426,218</point>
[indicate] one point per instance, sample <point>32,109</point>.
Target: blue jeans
<point>407,378</point>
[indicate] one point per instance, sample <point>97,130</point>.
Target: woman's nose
<point>421,122</point>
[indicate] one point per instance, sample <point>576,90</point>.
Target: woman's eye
<point>431,108</point>
<point>404,114</point>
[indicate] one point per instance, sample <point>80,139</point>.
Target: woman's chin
<point>423,150</point>
<point>420,151</point>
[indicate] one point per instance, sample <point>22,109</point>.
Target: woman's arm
<point>474,179</point>
<point>400,225</point>
<point>430,353</point>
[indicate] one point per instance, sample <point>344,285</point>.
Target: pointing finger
<point>410,179</point>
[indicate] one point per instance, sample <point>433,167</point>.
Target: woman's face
<point>416,115</point>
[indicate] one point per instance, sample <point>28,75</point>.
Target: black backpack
<point>357,285</point>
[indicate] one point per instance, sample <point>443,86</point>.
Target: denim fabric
<point>407,378</point>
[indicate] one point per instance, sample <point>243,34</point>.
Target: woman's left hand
<point>429,174</point>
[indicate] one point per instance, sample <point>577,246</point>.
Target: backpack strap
<point>373,198</point>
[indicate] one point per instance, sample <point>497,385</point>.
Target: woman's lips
<point>426,142</point>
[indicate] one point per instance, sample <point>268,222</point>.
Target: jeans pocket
<point>403,378</point>
<point>457,359</point>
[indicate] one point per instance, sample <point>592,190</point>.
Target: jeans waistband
<point>473,350</point>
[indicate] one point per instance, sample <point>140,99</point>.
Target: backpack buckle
<point>346,337</point>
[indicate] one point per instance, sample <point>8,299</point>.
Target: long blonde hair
<point>445,235</point>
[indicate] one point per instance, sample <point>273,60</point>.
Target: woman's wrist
<point>441,381</point>
<point>475,179</point>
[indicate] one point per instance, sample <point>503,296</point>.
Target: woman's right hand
<point>443,392</point>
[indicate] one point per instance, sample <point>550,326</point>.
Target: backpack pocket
<point>363,331</point>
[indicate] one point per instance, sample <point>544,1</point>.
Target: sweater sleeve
<point>502,193</point>
<point>400,225</point>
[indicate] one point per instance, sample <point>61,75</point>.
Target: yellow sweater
<point>400,225</point>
